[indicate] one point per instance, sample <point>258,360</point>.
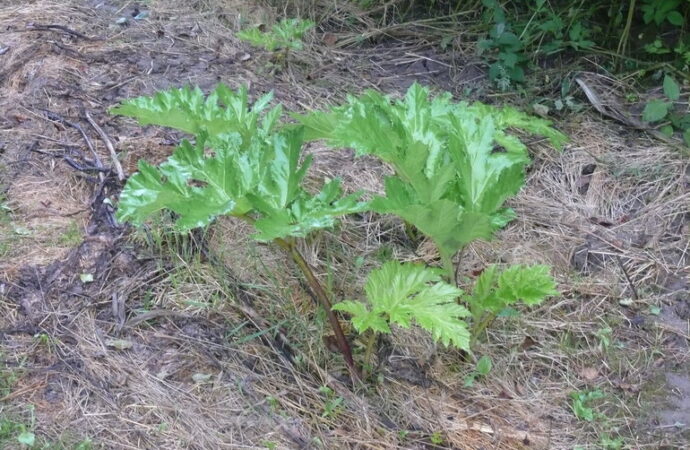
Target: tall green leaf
<point>455,164</point>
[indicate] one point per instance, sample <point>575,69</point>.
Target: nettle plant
<point>455,166</point>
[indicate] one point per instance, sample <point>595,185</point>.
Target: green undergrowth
<point>455,165</point>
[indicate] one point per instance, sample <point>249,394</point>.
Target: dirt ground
<point>118,338</point>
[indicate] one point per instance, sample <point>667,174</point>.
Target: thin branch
<point>109,146</point>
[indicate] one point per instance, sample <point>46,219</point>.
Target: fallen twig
<point>54,27</point>
<point>58,118</point>
<point>109,146</point>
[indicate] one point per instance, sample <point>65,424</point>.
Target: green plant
<point>604,336</point>
<point>663,111</point>
<point>332,404</point>
<point>494,292</point>
<point>436,438</point>
<point>450,181</point>
<point>456,164</point>
<point>581,404</point>
<point>481,369</point>
<point>660,11</point>
<point>609,443</point>
<point>402,293</point>
<point>238,166</point>
<point>284,36</point>
<point>503,48</point>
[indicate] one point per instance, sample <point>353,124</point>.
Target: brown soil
<point>206,341</point>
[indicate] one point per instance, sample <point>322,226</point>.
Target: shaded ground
<point>138,339</point>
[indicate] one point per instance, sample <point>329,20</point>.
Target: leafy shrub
<point>239,166</point>
<point>450,182</point>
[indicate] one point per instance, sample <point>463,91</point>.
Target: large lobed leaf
<point>402,293</point>
<point>223,111</point>
<point>450,180</point>
<point>221,175</point>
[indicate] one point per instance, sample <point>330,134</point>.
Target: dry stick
<point>58,118</point>
<point>109,146</point>
<point>627,277</point>
<point>54,27</point>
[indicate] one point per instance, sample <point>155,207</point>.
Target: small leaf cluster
<point>398,293</point>
<point>546,32</point>
<point>581,404</point>
<point>659,12</point>
<point>284,35</point>
<point>664,112</point>
<point>503,47</point>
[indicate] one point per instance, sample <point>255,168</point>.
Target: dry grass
<point>213,342</point>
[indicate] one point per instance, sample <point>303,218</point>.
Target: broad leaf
<point>528,284</point>
<point>221,175</point>
<point>403,293</point>
<point>655,110</point>
<point>671,88</point>
<point>485,178</point>
<point>455,164</point>
<point>305,213</point>
<point>222,112</point>
<point>444,221</point>
<point>193,185</point>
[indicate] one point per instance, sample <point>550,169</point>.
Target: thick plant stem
<point>322,297</point>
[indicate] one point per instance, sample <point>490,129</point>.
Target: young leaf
<point>484,365</point>
<point>529,284</point>
<point>655,110</point>
<point>287,33</point>
<point>675,18</point>
<point>400,293</point>
<point>493,291</point>
<point>671,88</point>
<point>257,38</point>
